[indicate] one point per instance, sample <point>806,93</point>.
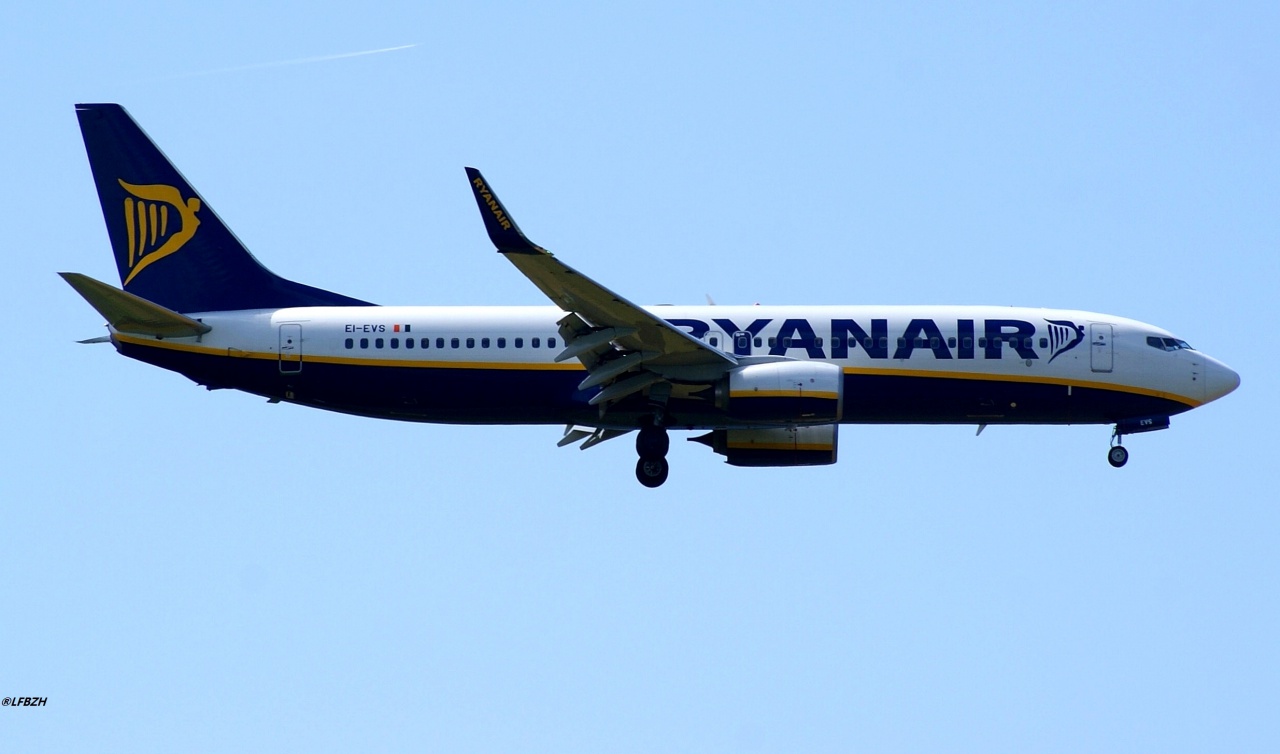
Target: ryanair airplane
<point>765,385</point>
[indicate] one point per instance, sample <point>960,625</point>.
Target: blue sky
<point>203,571</point>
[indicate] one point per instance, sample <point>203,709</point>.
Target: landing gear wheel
<point>652,472</point>
<point>1117,456</point>
<point>653,442</point>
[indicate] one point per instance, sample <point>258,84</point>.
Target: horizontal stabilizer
<point>132,314</point>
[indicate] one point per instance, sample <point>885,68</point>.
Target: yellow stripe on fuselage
<point>549,366</point>
<point>784,394</point>
<point>780,446</point>
<point>316,359</point>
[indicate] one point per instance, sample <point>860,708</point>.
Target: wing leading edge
<point>625,348</point>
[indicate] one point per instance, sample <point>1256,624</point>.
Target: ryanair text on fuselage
<point>848,335</point>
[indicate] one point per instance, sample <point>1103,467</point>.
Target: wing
<point>624,347</point>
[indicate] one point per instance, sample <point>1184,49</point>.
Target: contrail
<point>295,61</point>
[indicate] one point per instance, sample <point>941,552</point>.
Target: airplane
<point>764,385</point>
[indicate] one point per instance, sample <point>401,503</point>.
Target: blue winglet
<point>503,231</point>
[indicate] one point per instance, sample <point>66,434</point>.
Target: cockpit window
<point>1168,344</point>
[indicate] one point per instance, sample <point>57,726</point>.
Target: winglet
<point>503,231</point>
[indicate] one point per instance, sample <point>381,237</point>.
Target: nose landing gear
<point>1117,456</point>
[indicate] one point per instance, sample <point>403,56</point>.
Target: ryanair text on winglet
<point>494,207</point>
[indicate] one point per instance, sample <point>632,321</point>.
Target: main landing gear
<point>652,444</point>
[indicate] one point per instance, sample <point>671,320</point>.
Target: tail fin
<point>171,249</point>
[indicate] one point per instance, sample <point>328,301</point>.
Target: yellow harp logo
<point>153,233</point>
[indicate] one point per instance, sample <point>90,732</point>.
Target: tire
<point>1117,456</point>
<point>653,443</point>
<point>652,472</point>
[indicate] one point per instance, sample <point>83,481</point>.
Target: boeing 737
<point>764,385</point>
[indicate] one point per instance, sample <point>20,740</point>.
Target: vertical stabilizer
<point>170,247</point>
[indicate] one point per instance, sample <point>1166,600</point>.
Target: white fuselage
<point>952,345</point>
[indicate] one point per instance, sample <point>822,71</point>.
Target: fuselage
<point>900,364</point>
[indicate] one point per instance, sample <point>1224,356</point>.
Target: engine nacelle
<point>784,392</point>
<point>778,446</point>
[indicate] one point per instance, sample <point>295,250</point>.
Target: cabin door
<point>1101,353</point>
<point>290,349</point>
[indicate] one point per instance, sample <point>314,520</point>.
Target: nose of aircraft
<point>1220,379</point>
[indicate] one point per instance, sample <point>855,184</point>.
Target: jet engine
<point>776,446</point>
<point>784,392</point>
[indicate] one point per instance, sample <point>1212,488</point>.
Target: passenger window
<point>551,342</point>
<point>408,342</point>
<point>453,342</point>
<point>364,342</point>
<point>951,342</point>
<point>395,342</point>
<point>484,342</point>
<point>502,342</point>
<point>426,342</point>
<point>471,342</point>
<point>1044,342</point>
<point>535,342</point>
<point>519,342</point>
<point>968,343</point>
<point>982,342</point>
<point>759,342</point>
<point>933,342</point>
<point>786,342</point>
<point>817,342</point>
<point>837,342</point>
<point>884,343</point>
<point>902,342</point>
<point>350,343</point>
<point>715,341</point>
<point>866,343</point>
<point>378,343</point>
